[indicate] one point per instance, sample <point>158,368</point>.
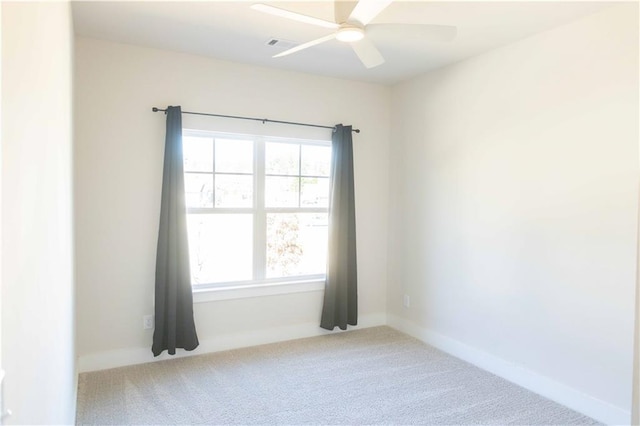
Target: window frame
<point>259,284</point>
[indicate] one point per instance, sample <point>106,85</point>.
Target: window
<point>257,208</point>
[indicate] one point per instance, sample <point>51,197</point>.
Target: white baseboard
<point>558,392</point>
<point>131,356</point>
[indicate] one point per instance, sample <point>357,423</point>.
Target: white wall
<point>118,166</point>
<point>37,281</point>
<point>515,203</point>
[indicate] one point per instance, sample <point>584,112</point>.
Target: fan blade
<point>366,10</point>
<point>439,33</point>
<point>342,10</point>
<point>368,53</point>
<point>305,45</point>
<point>283,13</point>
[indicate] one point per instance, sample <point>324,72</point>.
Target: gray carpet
<point>371,376</point>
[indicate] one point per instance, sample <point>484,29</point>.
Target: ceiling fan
<point>352,25</point>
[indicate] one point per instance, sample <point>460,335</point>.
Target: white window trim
<point>214,294</point>
<point>203,293</point>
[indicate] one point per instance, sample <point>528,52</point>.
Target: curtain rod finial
<point>154,109</point>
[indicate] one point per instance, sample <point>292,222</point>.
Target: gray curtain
<point>341,289</point>
<point>174,325</point>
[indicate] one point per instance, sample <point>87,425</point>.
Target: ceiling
<point>231,30</point>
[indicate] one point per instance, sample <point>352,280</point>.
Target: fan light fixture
<point>349,34</point>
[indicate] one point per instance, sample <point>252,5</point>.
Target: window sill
<point>256,290</point>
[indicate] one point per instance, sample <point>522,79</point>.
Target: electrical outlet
<point>406,301</point>
<point>147,322</point>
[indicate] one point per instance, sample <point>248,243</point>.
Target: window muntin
<point>297,175</point>
<point>257,208</point>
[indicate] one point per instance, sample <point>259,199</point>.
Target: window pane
<point>281,191</point>
<point>316,160</point>
<point>281,158</point>
<point>234,190</point>
<point>198,154</point>
<point>314,192</point>
<point>220,247</point>
<point>296,244</point>
<point>234,156</point>
<point>198,189</point>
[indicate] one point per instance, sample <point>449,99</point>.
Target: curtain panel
<point>174,324</point>
<point>340,306</point>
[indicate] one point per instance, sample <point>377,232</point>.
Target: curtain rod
<point>264,120</point>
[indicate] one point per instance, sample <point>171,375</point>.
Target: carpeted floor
<point>371,376</point>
